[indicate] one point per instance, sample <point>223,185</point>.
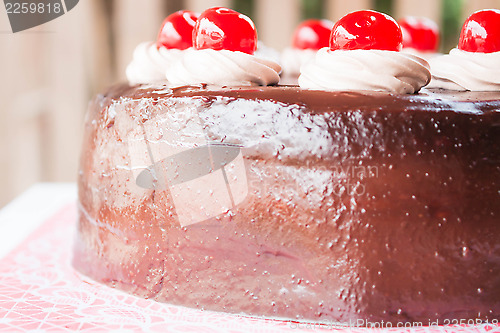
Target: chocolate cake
<point>293,203</point>
<point>357,197</point>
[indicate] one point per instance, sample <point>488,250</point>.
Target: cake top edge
<point>427,99</point>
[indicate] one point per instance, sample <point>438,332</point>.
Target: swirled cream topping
<point>149,63</point>
<point>426,55</point>
<point>266,52</point>
<point>292,59</point>
<point>462,70</point>
<point>223,68</point>
<point>375,70</point>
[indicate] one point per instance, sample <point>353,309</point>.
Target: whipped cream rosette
<point>293,59</point>
<point>364,54</point>
<point>420,36</point>
<point>150,63</point>
<point>267,52</point>
<point>309,36</point>
<point>426,55</point>
<point>462,70</point>
<point>475,63</point>
<point>152,59</point>
<point>225,43</point>
<point>377,70</point>
<point>223,68</point>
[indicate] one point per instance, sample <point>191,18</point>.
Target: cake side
<point>358,205</point>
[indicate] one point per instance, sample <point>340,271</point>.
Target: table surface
<point>40,291</point>
<point>28,211</point>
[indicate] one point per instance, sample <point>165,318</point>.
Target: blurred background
<point>49,73</point>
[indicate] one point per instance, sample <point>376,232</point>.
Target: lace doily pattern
<point>40,291</point>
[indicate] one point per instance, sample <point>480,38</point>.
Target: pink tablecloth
<point>39,291</point>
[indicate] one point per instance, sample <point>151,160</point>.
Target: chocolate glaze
<point>415,238</point>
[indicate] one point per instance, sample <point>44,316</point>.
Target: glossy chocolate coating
<point>398,222</point>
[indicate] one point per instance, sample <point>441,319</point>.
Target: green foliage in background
<point>451,24</point>
<point>384,6</point>
<point>244,6</point>
<point>312,9</point>
<point>316,8</point>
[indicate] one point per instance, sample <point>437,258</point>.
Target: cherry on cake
<point>474,64</point>
<point>309,36</point>
<point>152,59</point>
<point>421,36</point>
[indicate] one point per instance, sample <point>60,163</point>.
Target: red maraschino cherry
<point>366,30</point>
<point>481,32</point>
<point>420,33</point>
<point>312,34</point>
<point>221,28</point>
<point>176,31</point>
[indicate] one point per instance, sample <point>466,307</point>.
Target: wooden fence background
<point>49,73</point>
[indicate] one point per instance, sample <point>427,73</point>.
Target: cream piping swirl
<point>292,59</point>
<point>223,68</point>
<point>462,70</point>
<point>150,63</point>
<point>375,70</point>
